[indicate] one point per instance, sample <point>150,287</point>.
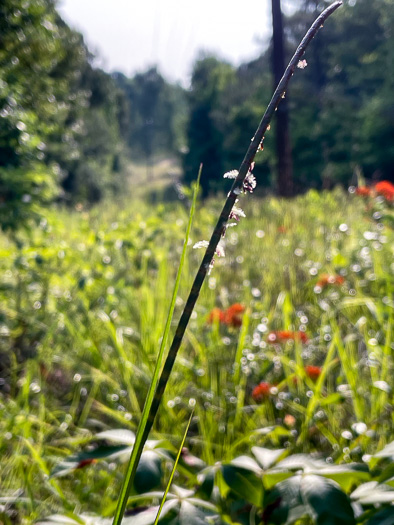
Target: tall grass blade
<point>143,425</point>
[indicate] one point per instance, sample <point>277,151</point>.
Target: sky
<point>131,35</point>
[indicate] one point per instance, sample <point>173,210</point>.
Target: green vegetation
<point>84,302</point>
<point>282,389</point>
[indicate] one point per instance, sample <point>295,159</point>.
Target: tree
<point>210,79</point>
<point>283,145</point>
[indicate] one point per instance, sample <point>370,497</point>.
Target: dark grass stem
<point>143,432</point>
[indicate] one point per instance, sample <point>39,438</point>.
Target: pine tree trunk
<point>283,145</point>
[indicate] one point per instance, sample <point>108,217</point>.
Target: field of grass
<point>296,358</point>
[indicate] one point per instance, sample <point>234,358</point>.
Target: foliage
<point>155,114</point>
<point>205,137</point>
<point>58,114</point>
<point>84,301</point>
<point>341,104</point>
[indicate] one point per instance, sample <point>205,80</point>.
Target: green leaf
<point>311,495</point>
<point>244,483</point>
<point>373,493</point>
<point>274,476</point>
<point>83,458</point>
<point>148,475</point>
<point>119,435</point>
<point>301,462</point>
<point>148,516</point>
<point>387,452</point>
<point>345,475</point>
<point>284,504</point>
<point>267,457</point>
<point>383,517</point>
<point>328,504</point>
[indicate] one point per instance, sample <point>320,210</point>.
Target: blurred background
<point>94,98</point>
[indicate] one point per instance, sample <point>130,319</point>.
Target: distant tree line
<point>67,128</point>
<point>341,105</point>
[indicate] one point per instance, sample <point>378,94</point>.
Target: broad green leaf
<point>387,452</point>
<point>244,483</point>
<point>373,493</point>
<point>284,504</point>
<point>326,501</point>
<point>267,457</point>
<point>119,435</point>
<point>84,458</point>
<point>148,475</point>
<point>274,476</point>
<point>148,516</point>
<point>301,462</point>
<point>383,517</point>
<point>248,463</point>
<point>345,475</point>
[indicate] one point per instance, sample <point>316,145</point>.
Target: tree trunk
<point>283,145</point>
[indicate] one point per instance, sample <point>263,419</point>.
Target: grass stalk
<point>155,395</point>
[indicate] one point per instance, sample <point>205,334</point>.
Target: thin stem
<point>210,251</point>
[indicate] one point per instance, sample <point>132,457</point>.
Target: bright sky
<point>130,35</point>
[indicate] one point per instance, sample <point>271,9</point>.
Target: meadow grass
<point>84,304</point>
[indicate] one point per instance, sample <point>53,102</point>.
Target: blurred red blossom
<point>261,391</point>
<point>313,372</point>
<point>326,279</point>
<point>282,336</point>
<point>216,314</point>
<point>364,191</point>
<point>231,317</point>
<point>386,189</point>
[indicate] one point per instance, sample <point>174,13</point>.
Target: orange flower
<point>313,372</point>
<point>326,279</point>
<point>261,391</point>
<point>216,314</point>
<point>233,315</point>
<point>286,335</point>
<point>364,191</point>
<point>282,229</point>
<point>386,189</point>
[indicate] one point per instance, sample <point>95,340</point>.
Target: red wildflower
<point>216,314</point>
<point>261,391</point>
<point>386,189</point>
<point>286,335</point>
<point>282,229</point>
<point>326,279</point>
<point>233,315</point>
<point>364,191</point>
<point>313,372</point>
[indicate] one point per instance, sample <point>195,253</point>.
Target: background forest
<point>69,130</point>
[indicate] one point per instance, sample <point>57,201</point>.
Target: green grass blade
<point>140,438</point>
<point>173,470</point>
